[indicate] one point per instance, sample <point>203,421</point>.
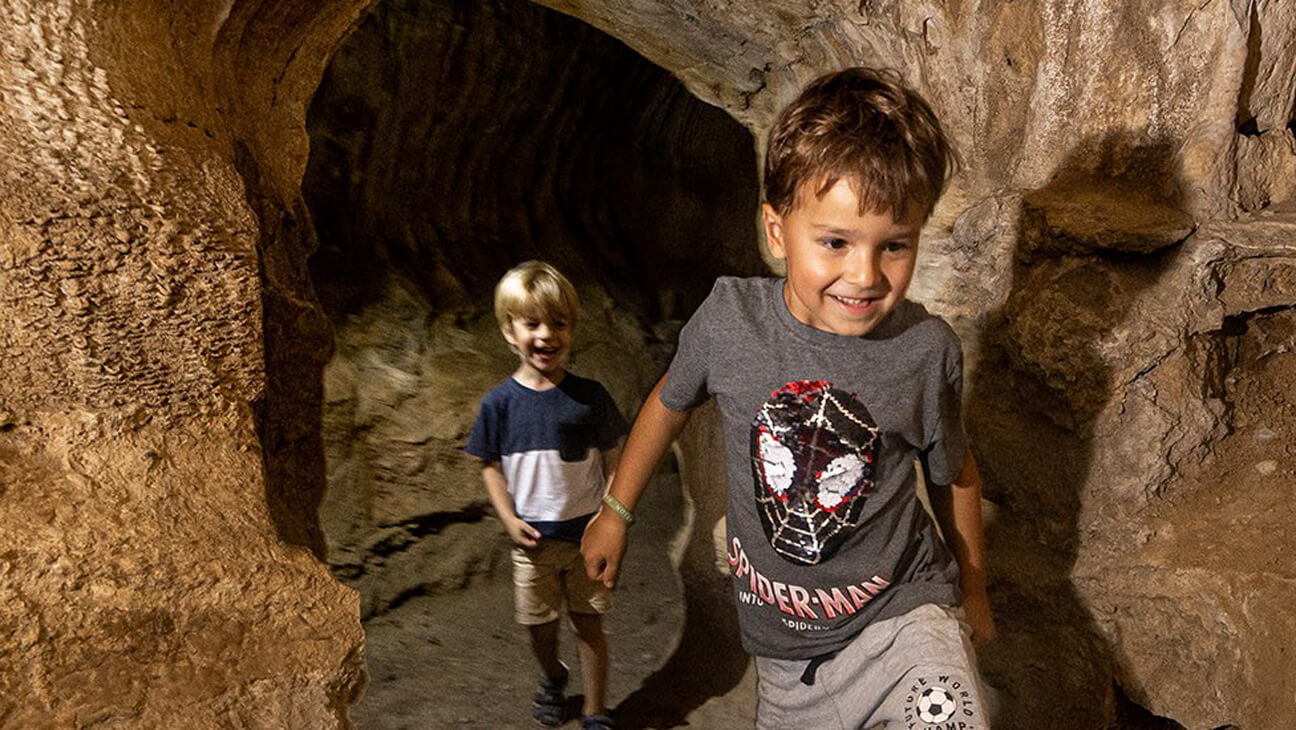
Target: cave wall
<point>1024,86</point>
<point>146,578</point>
<point>453,139</point>
<point>162,353</point>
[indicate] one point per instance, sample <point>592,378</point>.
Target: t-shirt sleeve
<point>946,451</point>
<point>686,379</point>
<point>484,440</point>
<point>609,423</point>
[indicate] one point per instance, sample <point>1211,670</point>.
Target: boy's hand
<point>976,609</point>
<point>602,546</point>
<point>521,533</point>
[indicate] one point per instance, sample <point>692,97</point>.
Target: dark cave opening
<point>451,140</point>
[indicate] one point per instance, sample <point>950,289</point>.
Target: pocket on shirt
<point>574,441</point>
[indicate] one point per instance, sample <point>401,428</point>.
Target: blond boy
<point>549,440</point>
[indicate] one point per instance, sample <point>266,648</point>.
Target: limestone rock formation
<point>1194,593</point>
<point>1116,253</point>
<point>147,576</point>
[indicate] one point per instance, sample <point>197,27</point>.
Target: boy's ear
<point>507,331</point>
<point>773,230</point>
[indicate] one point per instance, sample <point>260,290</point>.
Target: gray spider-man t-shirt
<point>825,530</point>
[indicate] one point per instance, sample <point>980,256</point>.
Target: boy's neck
<point>529,377</point>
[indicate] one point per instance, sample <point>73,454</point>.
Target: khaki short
<point>548,573</point>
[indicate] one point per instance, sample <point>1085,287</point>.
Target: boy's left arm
<point>957,507</point>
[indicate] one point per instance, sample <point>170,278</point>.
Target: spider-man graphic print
<point>813,449</point>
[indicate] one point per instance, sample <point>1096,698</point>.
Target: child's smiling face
<point>845,271</point>
<point>542,343</point>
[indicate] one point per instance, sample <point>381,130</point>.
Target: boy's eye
<point>534,324</point>
<point>897,246</point>
<point>834,243</point>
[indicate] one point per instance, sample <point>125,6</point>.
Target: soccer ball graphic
<point>936,704</point>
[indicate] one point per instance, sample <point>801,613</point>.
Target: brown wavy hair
<point>866,126</point>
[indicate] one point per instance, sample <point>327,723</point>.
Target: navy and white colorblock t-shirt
<point>549,444</point>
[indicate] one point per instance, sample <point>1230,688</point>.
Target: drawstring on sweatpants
<point>808,676</point>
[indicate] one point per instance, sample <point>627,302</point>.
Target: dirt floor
<point>459,660</point>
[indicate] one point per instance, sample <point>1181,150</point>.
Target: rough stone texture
<point>1110,378</point>
<point>143,584</point>
<point>454,139</point>
<point>160,413</point>
<point>1195,595</point>
<point>1023,85</point>
<point>1266,170</point>
<point>143,580</point>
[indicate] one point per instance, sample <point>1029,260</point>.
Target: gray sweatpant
<point>909,672</point>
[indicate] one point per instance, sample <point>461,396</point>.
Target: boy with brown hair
<point>549,440</point>
<point>832,386</point>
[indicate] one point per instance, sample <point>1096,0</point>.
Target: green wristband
<point>626,515</point>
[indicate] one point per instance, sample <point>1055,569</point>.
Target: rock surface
<point>146,579</point>
<point>1195,593</point>
<point>1117,255</point>
<point>544,139</point>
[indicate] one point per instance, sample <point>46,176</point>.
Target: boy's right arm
<point>497,487</point>
<point>655,428</point>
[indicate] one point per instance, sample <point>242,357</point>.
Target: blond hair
<point>535,289</point>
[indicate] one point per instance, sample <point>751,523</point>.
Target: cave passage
<point>451,140</point>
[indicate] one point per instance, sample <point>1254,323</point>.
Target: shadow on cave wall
<point>297,345</point>
<point>1089,244</point>
<point>452,139</point>
<point>709,659</point>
